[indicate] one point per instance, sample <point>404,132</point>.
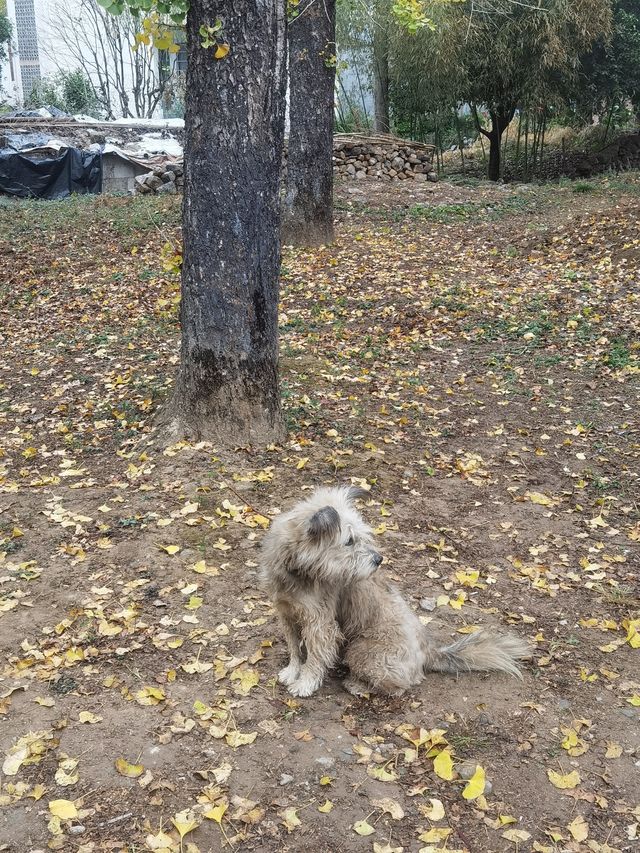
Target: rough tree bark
<point>381,120</point>
<point>308,203</point>
<point>227,384</point>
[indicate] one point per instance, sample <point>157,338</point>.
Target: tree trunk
<point>227,385</point>
<point>308,204</point>
<point>499,122</point>
<point>381,122</point>
<point>493,172</point>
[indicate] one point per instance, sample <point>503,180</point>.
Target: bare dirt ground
<point>471,355</point>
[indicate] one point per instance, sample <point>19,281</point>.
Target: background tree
<point>117,54</point>
<point>499,58</point>
<point>608,81</point>
<point>308,203</point>
<point>5,37</point>
<point>380,43</point>
<point>70,91</point>
<point>227,384</point>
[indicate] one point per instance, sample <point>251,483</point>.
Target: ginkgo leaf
<point>614,750</point>
<point>169,549</point>
<point>217,812</point>
<point>194,665</point>
<point>131,771</point>
<point>246,679</point>
<point>389,806</point>
<point>89,717</point>
<point>443,765</point>
<point>290,818</point>
<point>539,498</point>
<point>475,786</point>
<point>326,807</point>
<point>377,771</point>
<point>361,827</point>
<point>185,822</point>
<point>160,842</point>
<point>28,749</point>
<point>64,809</point>
<point>518,836</point>
<point>434,811</point>
<point>149,696</point>
<point>222,773</point>
<point>67,774</point>
<point>236,738</point>
<point>579,828</point>
<point>570,780</point>
<point>435,834</point>
<point>202,568</point>
<point>221,51</point>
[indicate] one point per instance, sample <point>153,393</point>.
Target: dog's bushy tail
<point>481,651</point>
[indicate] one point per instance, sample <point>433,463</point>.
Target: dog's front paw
<point>304,686</point>
<point>289,674</point>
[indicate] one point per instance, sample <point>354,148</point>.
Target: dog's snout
<point>377,558</point>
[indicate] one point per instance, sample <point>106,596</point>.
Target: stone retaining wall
<point>354,157</point>
<point>393,159</point>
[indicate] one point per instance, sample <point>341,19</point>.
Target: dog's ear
<point>355,493</point>
<point>324,524</point>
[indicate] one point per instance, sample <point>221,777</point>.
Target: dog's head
<point>324,539</point>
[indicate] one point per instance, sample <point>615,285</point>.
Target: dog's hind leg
<point>293,638</point>
<point>321,637</point>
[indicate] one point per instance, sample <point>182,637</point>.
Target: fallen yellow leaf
<point>88,717</point>
<point>579,828</point>
<point>390,807</point>
<point>475,786</point>
<point>443,765</point>
<point>570,780</point>
<point>131,771</point>
<point>185,822</point>
<point>434,811</point>
<point>290,818</point>
<point>363,828</point>
<point>169,549</point>
<point>63,809</point>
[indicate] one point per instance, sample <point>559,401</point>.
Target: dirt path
<point>468,353</point>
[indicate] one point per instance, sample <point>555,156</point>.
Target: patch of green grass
<point>467,742</point>
<point>125,215</point>
<point>445,213</point>
<point>583,187</point>
<point>619,355</point>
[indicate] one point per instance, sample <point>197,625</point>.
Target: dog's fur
<point>319,568</point>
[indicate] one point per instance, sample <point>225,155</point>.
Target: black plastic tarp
<point>32,175</point>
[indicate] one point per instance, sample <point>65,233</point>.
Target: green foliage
<point>175,10</point>
<point>609,73</point>
<point>411,15</point>
<point>499,57</point>
<point>77,93</point>
<point>5,35</point>
<point>70,91</point>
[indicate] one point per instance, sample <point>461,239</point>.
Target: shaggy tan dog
<point>318,567</point>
